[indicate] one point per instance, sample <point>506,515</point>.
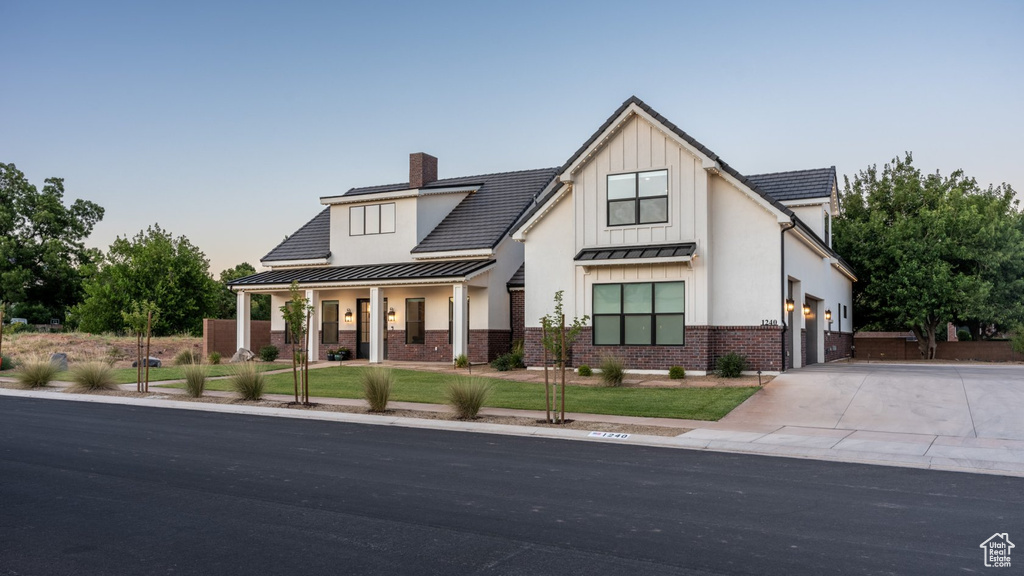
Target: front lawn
<point>128,375</point>
<point>414,386</point>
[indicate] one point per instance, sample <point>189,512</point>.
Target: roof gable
<point>312,241</point>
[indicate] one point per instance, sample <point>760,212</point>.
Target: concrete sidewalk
<point>979,455</point>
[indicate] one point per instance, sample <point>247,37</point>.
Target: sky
<point>226,122</point>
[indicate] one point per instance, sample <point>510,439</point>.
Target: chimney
<point>422,169</point>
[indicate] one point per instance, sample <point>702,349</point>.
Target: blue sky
<point>226,121</point>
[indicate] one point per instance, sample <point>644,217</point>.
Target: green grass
<point>429,387</point>
<point>128,375</point>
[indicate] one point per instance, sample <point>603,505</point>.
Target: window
<point>414,327</point>
<point>451,316</point>
<point>372,219</point>
<point>329,326</point>
<point>844,311</point>
<point>641,314</point>
<point>638,198</point>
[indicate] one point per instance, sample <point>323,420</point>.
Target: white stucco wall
<point>819,280</point>
<point>549,252</point>
<point>746,283</point>
<point>814,216</point>
<point>373,248</point>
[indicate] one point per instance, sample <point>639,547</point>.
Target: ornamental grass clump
<point>213,357</point>
<point>377,385</point>
<point>93,376</point>
<point>36,373</point>
<point>248,382</point>
<point>195,379</point>
<point>613,371</point>
<point>466,395</point>
<point>186,357</point>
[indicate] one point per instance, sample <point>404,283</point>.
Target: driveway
<point>967,401</point>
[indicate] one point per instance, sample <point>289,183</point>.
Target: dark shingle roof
<point>367,272</point>
<point>797,184</point>
<point>311,241</point>
<point>646,251</point>
<point>487,215</point>
<point>518,280</point>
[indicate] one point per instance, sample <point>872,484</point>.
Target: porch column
<point>313,330</point>
<point>376,325</point>
<point>243,315</point>
<point>460,317</point>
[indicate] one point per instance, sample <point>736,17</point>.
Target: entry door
<point>363,328</point>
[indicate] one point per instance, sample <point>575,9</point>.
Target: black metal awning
<point>367,273</point>
<point>682,250</point>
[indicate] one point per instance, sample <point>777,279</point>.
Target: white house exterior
<point>674,256</point>
<point>678,259</point>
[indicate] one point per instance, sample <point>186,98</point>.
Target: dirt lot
<point>82,347</point>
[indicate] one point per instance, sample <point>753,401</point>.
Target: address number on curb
<point>613,435</point>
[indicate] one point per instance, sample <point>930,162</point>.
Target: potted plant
<point>332,355</point>
<point>344,354</point>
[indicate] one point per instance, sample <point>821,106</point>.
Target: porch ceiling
<point>454,270</point>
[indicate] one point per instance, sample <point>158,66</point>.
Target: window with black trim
<point>414,326</point>
<point>371,219</point>
<point>640,314</point>
<point>329,324</point>
<point>638,198</point>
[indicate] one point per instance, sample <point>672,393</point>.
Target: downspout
<point>782,273</point>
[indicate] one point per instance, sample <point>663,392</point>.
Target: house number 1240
<point>769,322</point>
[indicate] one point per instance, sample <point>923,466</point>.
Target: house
<point>675,257</point>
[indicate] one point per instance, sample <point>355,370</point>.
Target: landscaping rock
<point>153,363</point>
<point>60,360</point>
<point>243,355</point>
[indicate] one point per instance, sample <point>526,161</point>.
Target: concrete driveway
<point>966,401</point>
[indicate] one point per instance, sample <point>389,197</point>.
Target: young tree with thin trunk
<point>557,339</point>
<point>297,316</point>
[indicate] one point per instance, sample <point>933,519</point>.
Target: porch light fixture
<point>790,305</point>
<point>828,315</point>
<point>391,314</point>
<point>807,309</point>
<point>348,316</point>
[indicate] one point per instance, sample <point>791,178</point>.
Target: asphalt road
<point>104,489</point>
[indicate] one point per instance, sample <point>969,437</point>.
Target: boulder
<point>60,360</point>
<point>153,363</point>
<point>243,355</point>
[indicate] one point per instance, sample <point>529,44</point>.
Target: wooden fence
<point>903,349</point>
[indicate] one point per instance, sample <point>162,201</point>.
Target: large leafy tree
<point>227,301</point>
<point>929,250</point>
<point>153,266</point>
<point>41,245</point>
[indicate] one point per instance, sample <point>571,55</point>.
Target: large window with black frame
<point>414,325</point>
<point>640,314</point>
<point>638,198</point>
<point>329,325</point>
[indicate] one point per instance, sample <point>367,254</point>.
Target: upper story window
<point>638,198</point>
<point>372,219</point>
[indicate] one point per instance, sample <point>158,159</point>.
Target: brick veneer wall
<point>803,346</point>
<point>220,336</point>
<point>704,345</point>
<point>903,349</point>
<point>843,343</point>
<point>518,302</point>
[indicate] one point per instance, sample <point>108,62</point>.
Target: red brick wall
<point>704,345</point>
<point>843,343</point>
<point>399,350</point>
<point>486,345</point>
<point>518,303</point>
<point>220,336</point>
<point>903,349</point>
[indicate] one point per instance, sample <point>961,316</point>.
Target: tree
<point>928,250</point>
<point>154,266</point>
<point>41,245</point>
<point>557,339</point>
<point>296,313</point>
<point>227,300</point>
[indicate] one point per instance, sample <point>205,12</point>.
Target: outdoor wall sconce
<point>807,309</point>
<point>828,315</point>
<point>790,305</point>
<point>348,316</point>
<point>391,314</point>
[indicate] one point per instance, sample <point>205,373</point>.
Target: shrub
<point>6,363</point>
<point>269,353</point>
<point>213,358</point>
<point>187,357</point>
<point>90,376</point>
<point>247,381</point>
<point>613,370</point>
<point>585,371</point>
<point>1018,340</point>
<point>461,361</point>
<point>731,365</point>
<point>377,384</point>
<point>509,361</point>
<point>36,373</point>
<point>963,335</point>
<point>677,373</point>
<point>195,379</point>
<point>19,328</point>
<point>467,395</point>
